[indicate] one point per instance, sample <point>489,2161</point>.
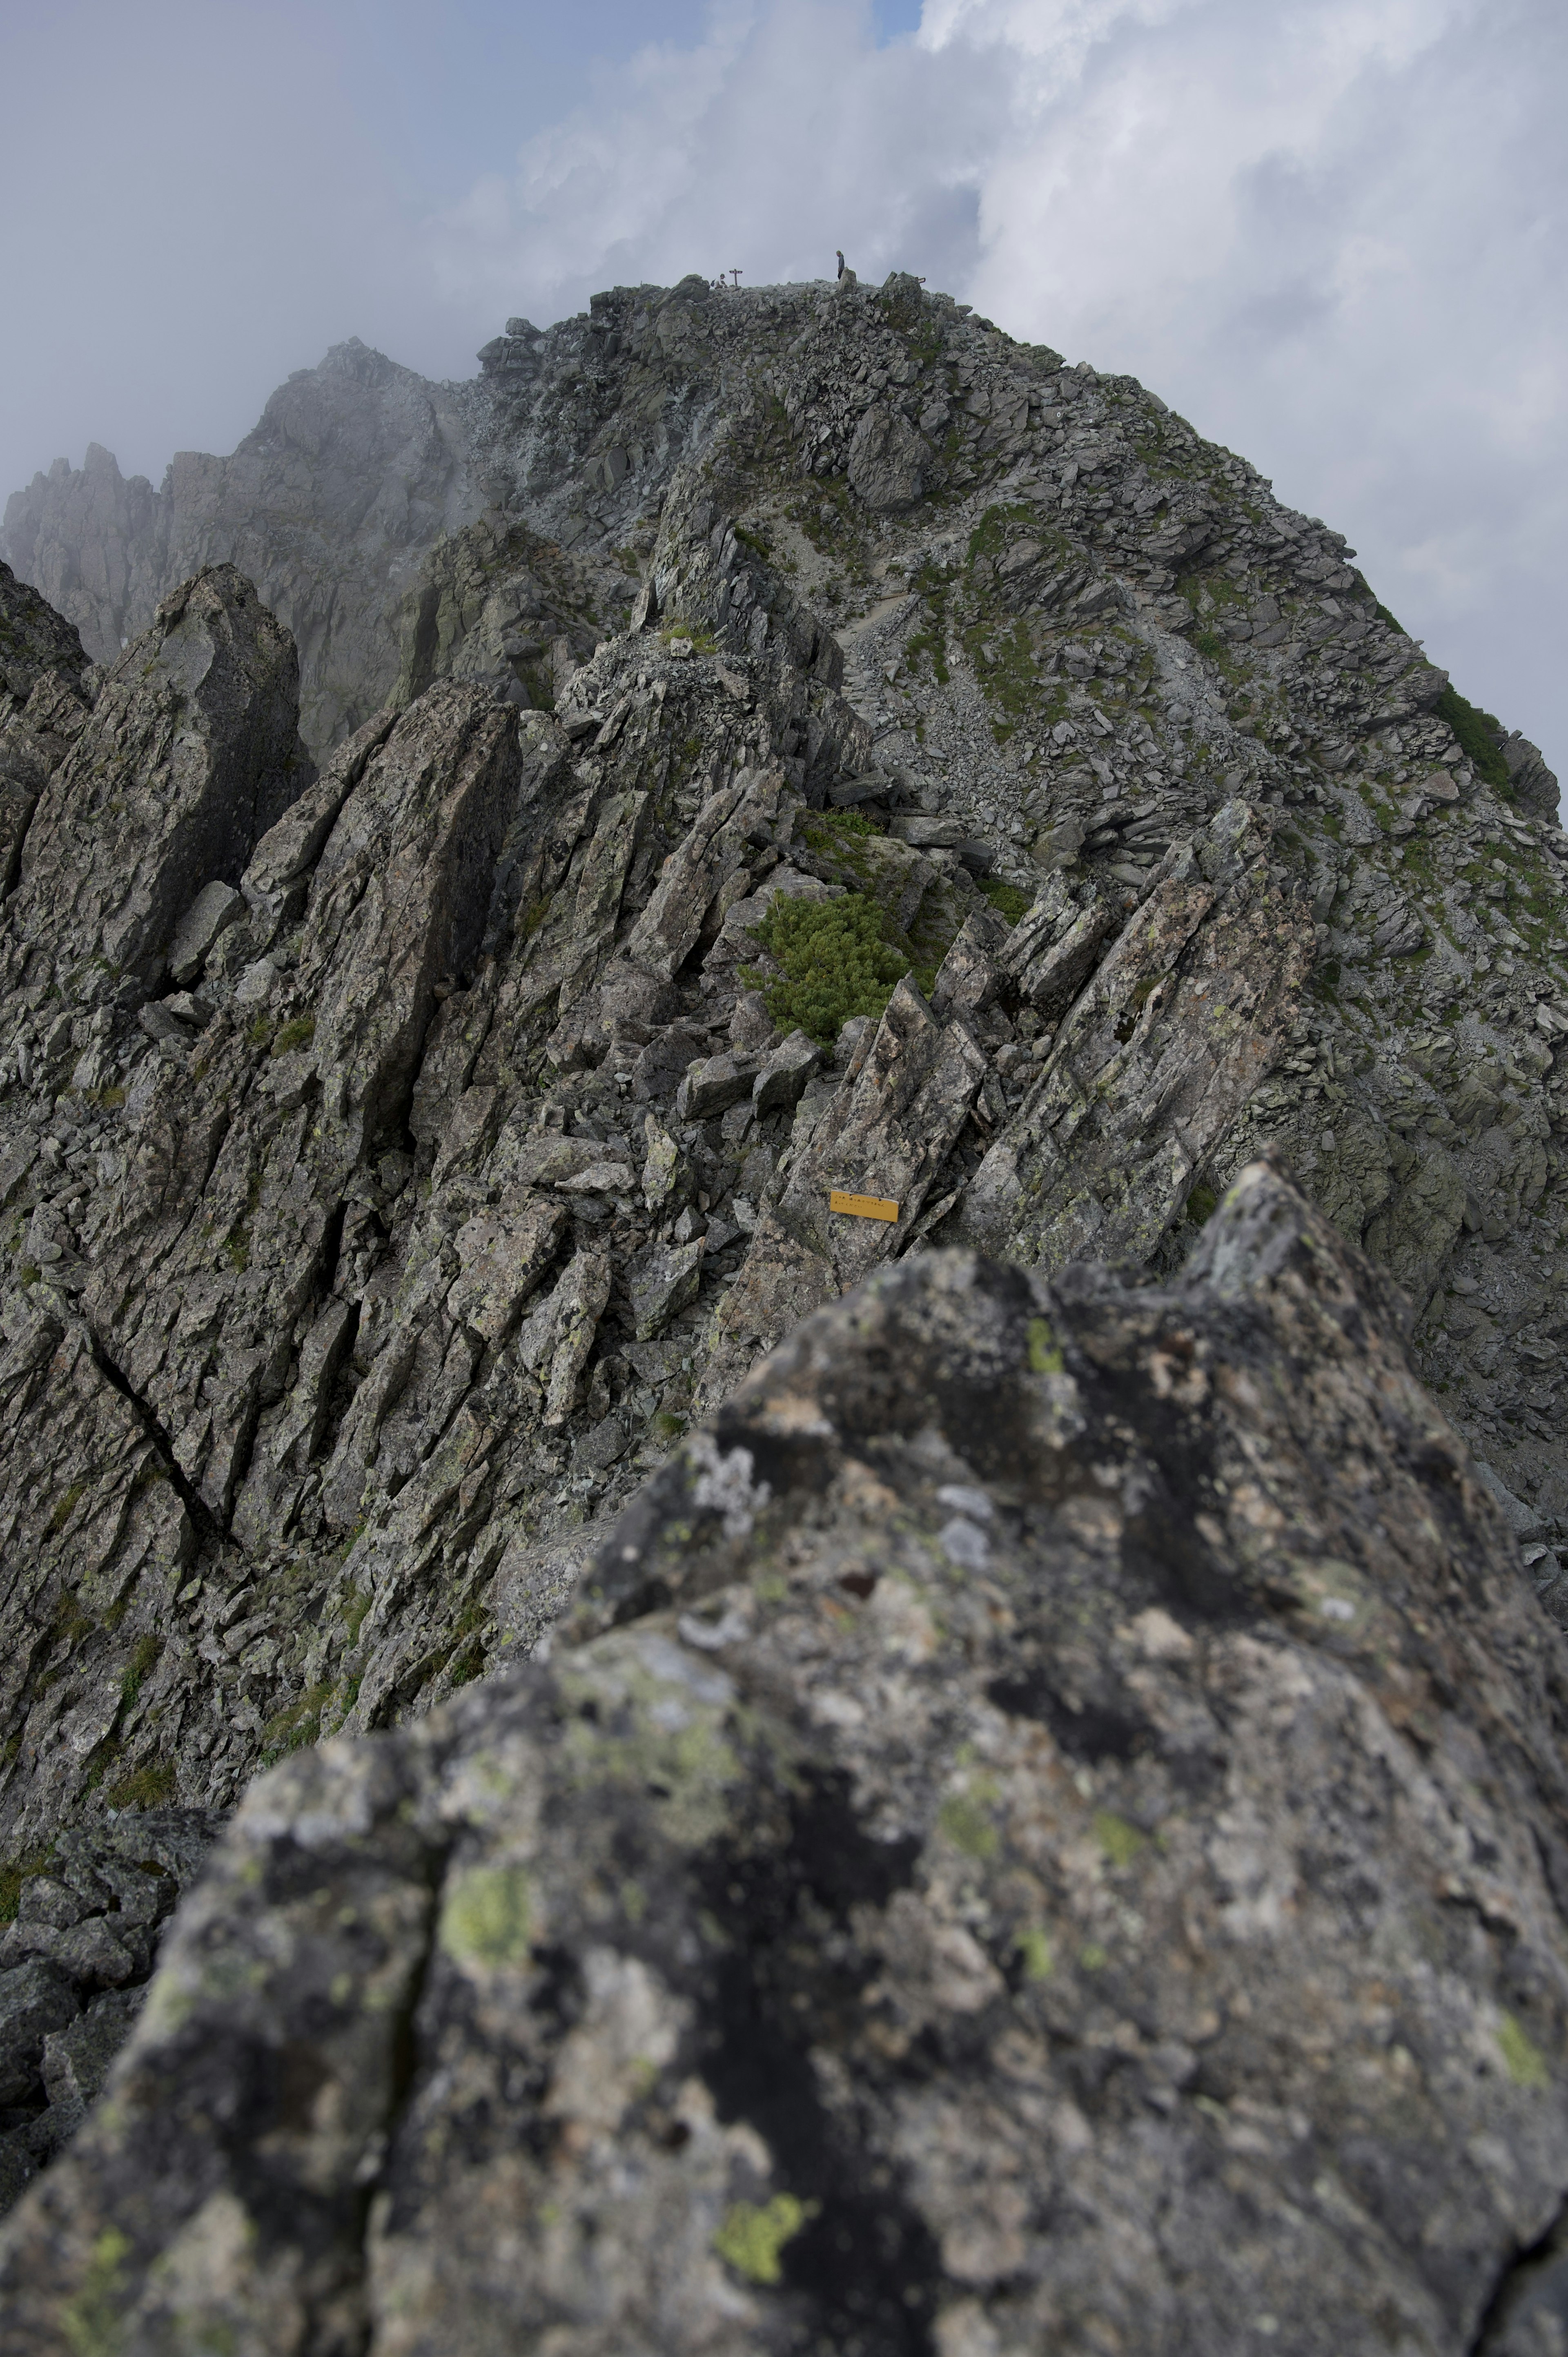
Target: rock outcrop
<point>1045,1825</point>
<point>329,506</point>
<point>1013,823</point>
<point>46,685</point>
<point>191,752</point>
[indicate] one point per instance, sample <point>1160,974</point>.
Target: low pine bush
<point>837,961</point>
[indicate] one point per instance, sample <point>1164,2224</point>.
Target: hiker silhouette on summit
<point>839,250</point>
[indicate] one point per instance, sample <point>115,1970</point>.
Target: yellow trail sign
<point>862,1207</point>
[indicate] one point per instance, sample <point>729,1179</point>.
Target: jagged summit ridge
<point>398,1154</point>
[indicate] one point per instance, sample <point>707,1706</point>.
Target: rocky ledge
<point>1045,1825</point>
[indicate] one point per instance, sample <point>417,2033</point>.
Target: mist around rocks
<point>485,865</point>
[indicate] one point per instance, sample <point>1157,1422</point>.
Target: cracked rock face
<point>1046,1825</point>
<point>400,1159</point>
<point>1047,628</point>
<point>191,752</point>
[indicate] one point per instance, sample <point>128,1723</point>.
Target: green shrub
<point>1007,899</point>
<point>837,961</point>
<point>1480,737</point>
<point>842,822</point>
<point>703,639</point>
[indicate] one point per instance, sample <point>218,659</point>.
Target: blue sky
<point>1330,231</point>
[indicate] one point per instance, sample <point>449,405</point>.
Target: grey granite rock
<point>214,909</point>
<point>1020,1775</point>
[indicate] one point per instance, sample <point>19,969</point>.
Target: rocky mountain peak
<point>870,928</point>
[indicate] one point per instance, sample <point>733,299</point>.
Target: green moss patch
<point>143,1655</point>
<point>485,1917</point>
<point>149,1788</point>
<point>12,1877</point>
<point>1522,2059</point>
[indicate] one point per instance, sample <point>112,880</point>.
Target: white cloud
<point>1329,231</point>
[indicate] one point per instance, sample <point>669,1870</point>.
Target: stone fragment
<point>713,1084</point>
<point>886,460</point>
<point>215,907</point>
<point>76,2059</point>
<point>188,1008</point>
<point>601,1177</point>
<point>276,881</point>
<point>399,898</point>
<point>1187,1012</point>
<point>35,641</point>
<point>662,1281</point>
<point>1062,962</point>
<point>579,1304</point>
<point>784,1074</point>
<point>159,1023</point>
<point>664,1170</point>
<point>715,849</point>
<point>190,753</point>
<point>88,1951</point>
<point>751,1026</point>
<point>928,834</point>
<point>968,978</point>
<point>503,1254</point>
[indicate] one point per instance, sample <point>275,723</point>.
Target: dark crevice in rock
<point>863,2271</point>
<point>1527,2312</point>
<point>209,1533</point>
<point>331,1246</point>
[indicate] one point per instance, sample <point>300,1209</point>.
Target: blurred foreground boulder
<point>1044,1827</point>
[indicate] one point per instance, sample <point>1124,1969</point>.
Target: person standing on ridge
<point>839,250</point>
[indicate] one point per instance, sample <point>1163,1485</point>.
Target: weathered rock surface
<point>1062,1840</point>
<point>190,753</point>
<point>74,1966</point>
<point>35,641</point>
<point>44,693</point>
<point>395,1158</point>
